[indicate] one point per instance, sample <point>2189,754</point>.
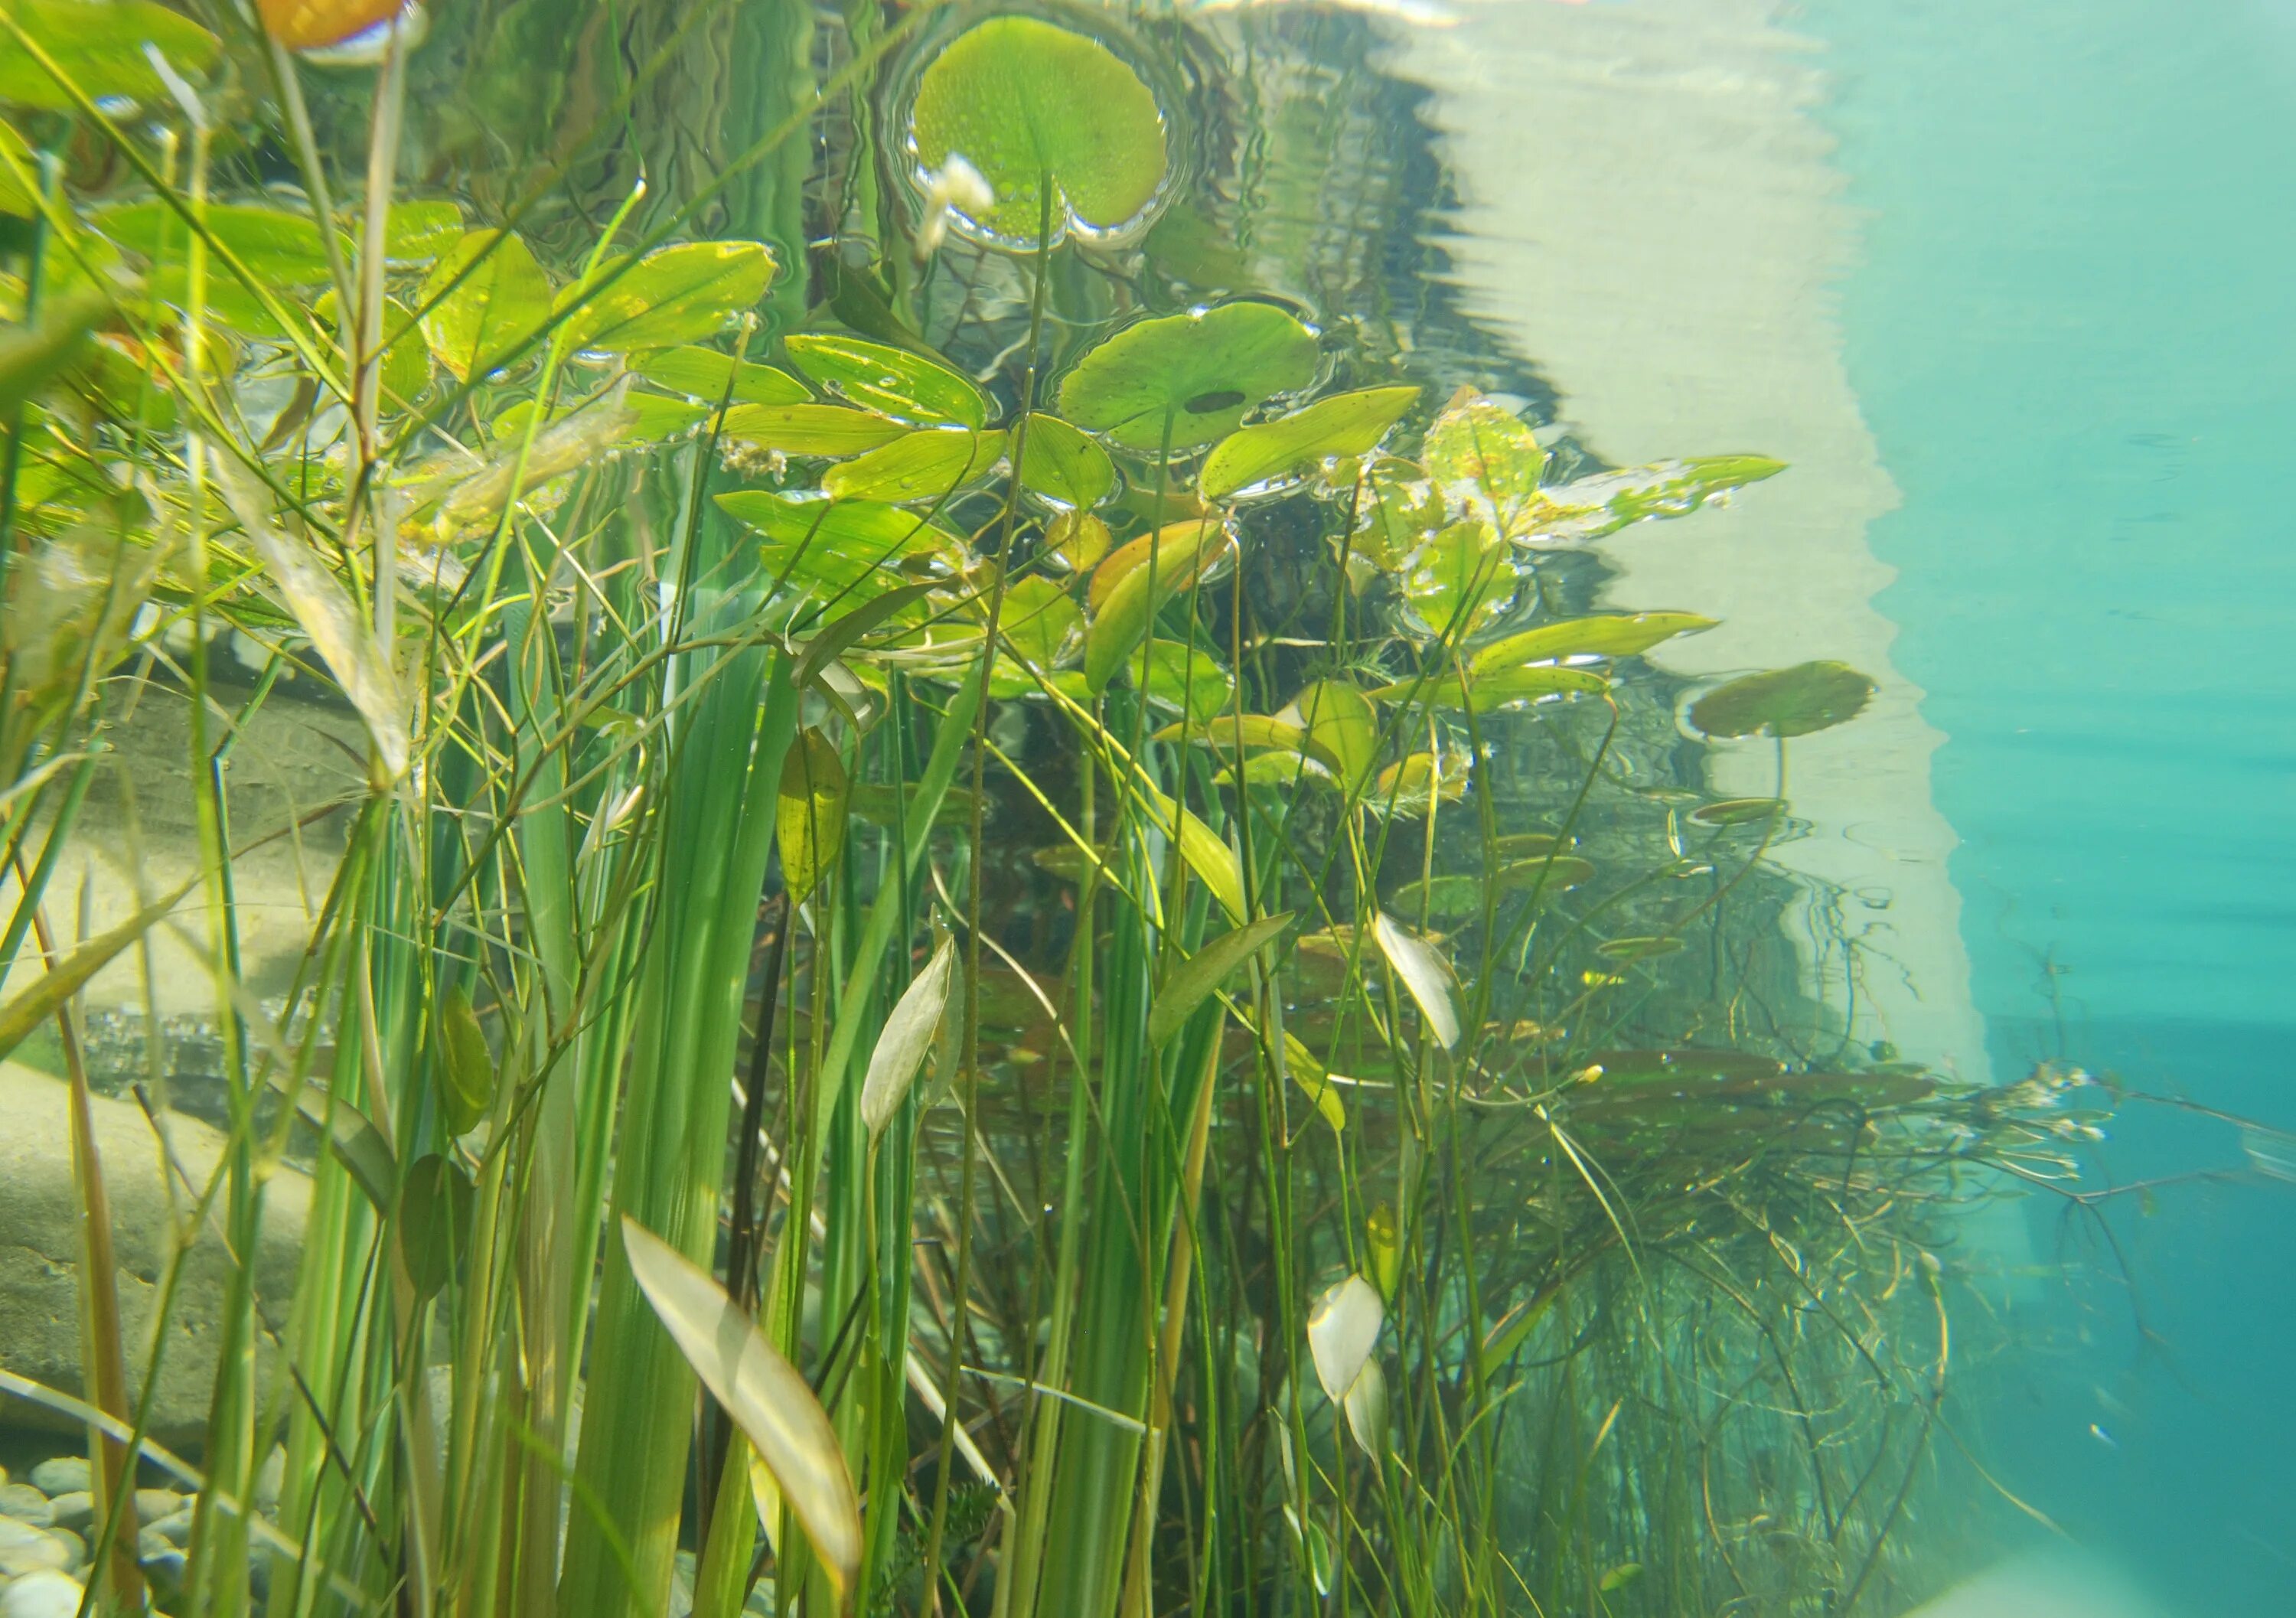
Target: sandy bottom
<point>1648,212</point>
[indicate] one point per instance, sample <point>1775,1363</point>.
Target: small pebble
<point>153,1504</point>
<point>149,1545</point>
<point>175,1528</point>
<point>25,1550</point>
<point>41,1595</point>
<point>75,1548</point>
<point>65,1475</point>
<point>74,1511</point>
<point>25,1504</point>
<point>267,1482</point>
<point>165,1572</point>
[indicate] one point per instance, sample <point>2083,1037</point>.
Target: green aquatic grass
<point>689,652</point>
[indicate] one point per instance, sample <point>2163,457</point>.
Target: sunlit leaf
<point>1123,618</point>
<point>1342,723</point>
<point>712,376</point>
<point>891,382</point>
<point>1020,98</point>
<point>1276,453</point>
<point>929,465</point>
<point>1185,677</point>
<point>844,545</point>
<point>1459,580</point>
<point>1199,371</point>
<point>1606,502</point>
<point>1383,1239</point>
<point>1239,733</point>
<point>762,1392</point>
<point>822,430</point>
<point>500,302</point>
<point>907,1040</point>
<point>98,46</point>
<point>1794,702</point>
<point>1300,1063</point>
<point>809,814</point>
<point>1620,1577</point>
<point>418,232</point>
<point>1604,635</point>
<point>1064,465</point>
<point>1341,1329</point>
<point>405,362</point>
<point>1203,849</point>
<point>1500,689</point>
<point>1078,539</point>
<point>466,1066</point>
<point>1038,620</point>
<point>1423,973</point>
<point>1157,545</point>
<point>1192,982</point>
<point>1478,441</point>
<point>674,295</point>
<point>1411,786</point>
<point>1365,1405</point>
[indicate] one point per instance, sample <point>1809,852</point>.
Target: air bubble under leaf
<point>1020,98</point>
<point>1795,701</point>
<point>1202,369</point>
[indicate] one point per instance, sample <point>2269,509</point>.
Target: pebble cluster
<point>47,1519</point>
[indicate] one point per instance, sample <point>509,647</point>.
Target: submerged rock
<point>75,1510</point>
<point>25,1550</point>
<point>63,1474</point>
<point>25,1504</point>
<point>39,1251</point>
<point>46,1594</point>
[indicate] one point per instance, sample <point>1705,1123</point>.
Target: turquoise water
<point>2073,332</point>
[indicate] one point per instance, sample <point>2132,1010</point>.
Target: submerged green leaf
<point>1064,465</point>
<point>1604,635</point>
<point>1341,1329</point>
<point>810,814</point>
<point>99,47</point>
<point>1021,99</point>
<point>891,382</point>
<point>1500,689</point>
<point>1341,722</point>
<point>929,464</point>
<point>906,1041</point>
<point>1192,982</point>
<point>1273,452</point>
<point>498,303</point>
<point>1200,371</point>
<point>844,545</point>
<point>29,357</point>
<point>434,1220</point>
<point>466,1066</point>
<point>1794,702</point>
<point>1478,441</point>
<point>712,376</point>
<point>1186,679</point>
<point>1460,579</point>
<point>1423,973</point>
<point>812,429</point>
<point>1123,618</point>
<point>678,294</point>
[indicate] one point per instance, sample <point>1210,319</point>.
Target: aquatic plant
<point>1302,1179</point>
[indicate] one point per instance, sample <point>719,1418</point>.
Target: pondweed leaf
<point>276,245</point>
<point>1459,580</point>
<point>809,814</point>
<point>1738,811</point>
<point>1341,723</point>
<point>1637,948</point>
<point>891,382</point>
<point>1239,733</point>
<point>20,171</point>
<point>1455,895</point>
<point>1365,1405</point>
<point>1310,1075</point>
<point>98,46</point>
<point>762,1392</point>
<point>1383,1241</point>
<point>496,305</point>
<point>309,25</point>
<point>1064,465</point>
<point>1341,1329</point>
<point>1186,679</point>
<point>1200,371</point>
<point>710,375</point>
<point>1077,540</point>
<point>29,357</point>
<point>1478,441</point>
<point>406,374</point>
<point>812,429</point>
<point>474,500</point>
<point>854,545</point>
<point>1412,785</point>
<point>1020,98</point>
<point>1795,701</point>
<point>1423,973</point>
<point>1141,587</point>
<point>1206,854</point>
<point>1500,689</point>
<point>1159,545</point>
<point>1192,982</point>
<point>1038,620</point>
<point>906,1041</point>
<point>931,464</point>
<point>1274,454</point>
<point>434,1220</point>
<point>1592,507</point>
<point>1604,635</point>
<point>673,295</point>
<point>466,1066</point>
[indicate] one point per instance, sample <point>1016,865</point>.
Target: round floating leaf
<point>822,430</point>
<point>929,464</point>
<point>709,376</point>
<point>892,381</point>
<point>1064,465</point>
<point>1604,635</point>
<point>673,295</point>
<point>499,301</point>
<point>1276,453</point>
<point>1020,98</point>
<point>1202,369</point>
<point>309,25</point>
<point>1476,441</point>
<point>809,816</point>
<point>1784,701</point>
<point>99,47</point>
<point>1737,811</point>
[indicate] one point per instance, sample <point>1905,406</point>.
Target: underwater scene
<point>1023,808</point>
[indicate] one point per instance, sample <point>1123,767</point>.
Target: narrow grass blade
<point>763,1392</point>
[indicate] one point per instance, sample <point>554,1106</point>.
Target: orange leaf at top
<point>310,25</point>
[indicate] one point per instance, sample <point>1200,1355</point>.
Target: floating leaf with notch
<point>892,381</point>
<point>1202,369</point>
<point>1274,453</point>
<point>1795,701</point>
<point>1021,99</point>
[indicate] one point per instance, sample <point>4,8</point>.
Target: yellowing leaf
<point>1604,635</point>
<point>764,1394</point>
<point>810,813</point>
<point>907,1039</point>
<point>1212,859</point>
<point>673,295</point>
<point>1423,973</point>
<point>1144,586</point>
<point>1341,1329</point>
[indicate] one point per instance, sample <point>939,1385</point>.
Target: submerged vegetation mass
<point>1005,939</point>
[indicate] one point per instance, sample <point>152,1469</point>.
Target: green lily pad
<point>929,464</point>
<point>1202,370</point>
<point>1477,440</point>
<point>1794,702</point>
<point>99,47</point>
<point>497,304</point>
<point>854,546</point>
<point>710,375</point>
<point>1459,580</point>
<point>822,430</point>
<point>1608,501</point>
<point>892,381</point>
<point>1272,453</point>
<point>1064,465</point>
<point>1606,634</point>
<point>1023,100</point>
<point>673,295</point>
<point>1189,679</point>
<point>1500,689</point>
